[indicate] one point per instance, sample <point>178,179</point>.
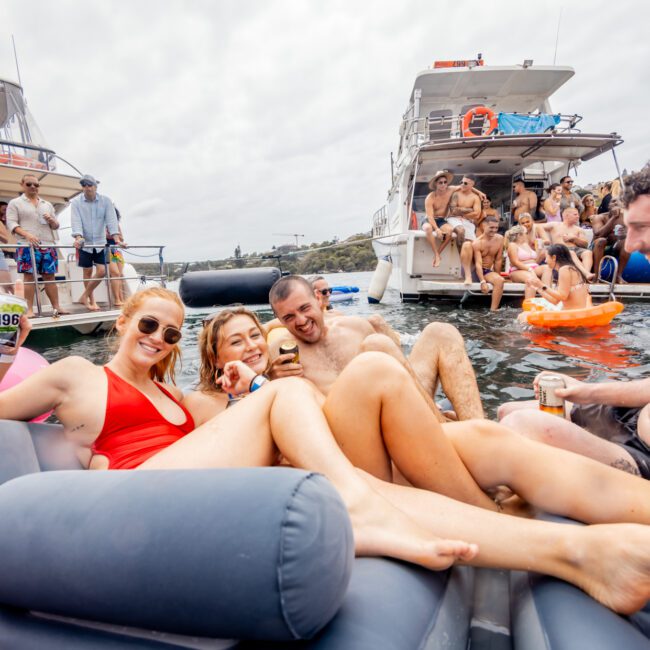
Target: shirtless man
<point>464,213</point>
<point>327,345</point>
<point>436,229</point>
<point>569,233</point>
<point>488,260</point>
<point>609,238</point>
<point>524,201</point>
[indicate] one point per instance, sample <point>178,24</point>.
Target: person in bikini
<point>523,259</point>
<point>376,422</point>
<point>488,260</point>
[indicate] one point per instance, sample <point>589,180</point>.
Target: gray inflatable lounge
<point>241,558</point>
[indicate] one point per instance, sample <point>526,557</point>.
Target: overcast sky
<point>216,123</point>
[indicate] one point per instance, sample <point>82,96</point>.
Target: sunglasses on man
<point>37,185</point>
<point>148,325</point>
<point>325,292</point>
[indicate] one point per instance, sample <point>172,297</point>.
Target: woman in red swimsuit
<point>98,405</point>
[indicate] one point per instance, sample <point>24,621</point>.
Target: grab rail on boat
<point>379,222</point>
<point>612,282</point>
<point>17,154</point>
<point>40,284</point>
<point>421,130</point>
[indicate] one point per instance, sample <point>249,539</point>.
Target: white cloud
<point>212,124</point>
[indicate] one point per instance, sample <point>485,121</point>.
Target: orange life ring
<point>595,316</point>
<point>479,110</point>
<point>20,161</point>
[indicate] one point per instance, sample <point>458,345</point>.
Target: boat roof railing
<point>40,284</point>
<point>31,157</point>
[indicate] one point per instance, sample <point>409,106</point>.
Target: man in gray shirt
<point>92,215</point>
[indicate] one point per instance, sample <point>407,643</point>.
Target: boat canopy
<point>509,154</point>
<point>508,88</point>
<point>16,122</point>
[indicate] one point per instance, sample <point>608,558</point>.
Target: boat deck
<point>84,321</point>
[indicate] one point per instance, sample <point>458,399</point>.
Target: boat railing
<point>424,130</point>
<point>32,157</point>
<point>379,222</point>
<point>40,284</point>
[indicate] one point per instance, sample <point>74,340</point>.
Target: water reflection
<point>506,357</point>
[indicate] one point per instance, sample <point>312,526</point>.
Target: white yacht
<point>439,131</point>
<point>23,149</point>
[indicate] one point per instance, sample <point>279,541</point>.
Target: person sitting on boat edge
<point>436,229</point>
<point>365,416</point>
<point>609,238</point>
<point>92,215</point>
<point>524,201</point>
<point>32,221</point>
<point>537,237</point>
<point>569,233</point>
<point>488,261</point>
<point>523,260</point>
<point>323,292</point>
<point>464,212</point>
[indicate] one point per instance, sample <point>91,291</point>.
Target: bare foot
<point>61,312</point>
<point>614,565</point>
<point>382,529</point>
<point>436,259</point>
<point>30,314</point>
<point>591,277</point>
<point>89,303</point>
<point>467,280</point>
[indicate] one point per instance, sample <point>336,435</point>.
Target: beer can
<point>290,347</point>
<point>548,400</point>
<point>11,309</point>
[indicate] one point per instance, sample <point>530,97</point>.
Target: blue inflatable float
<point>342,292</point>
<point>636,270</point>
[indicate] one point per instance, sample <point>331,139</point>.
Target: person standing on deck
<point>569,199</point>
<point>32,220</point>
<point>92,216</point>
<point>524,201</point>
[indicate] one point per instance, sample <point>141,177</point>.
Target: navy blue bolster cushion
<point>261,553</point>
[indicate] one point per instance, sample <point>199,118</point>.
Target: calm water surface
<point>505,357</point>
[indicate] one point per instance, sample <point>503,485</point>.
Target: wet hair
<point>209,338</point>
<point>562,257</point>
<point>164,370</point>
<point>283,287</point>
<point>514,233</point>
<point>636,185</point>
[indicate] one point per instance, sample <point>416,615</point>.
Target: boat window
<point>476,125</point>
<point>439,128</point>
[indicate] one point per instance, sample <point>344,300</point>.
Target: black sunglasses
<point>325,292</point>
<point>86,184</point>
<point>32,184</point>
<point>149,325</point>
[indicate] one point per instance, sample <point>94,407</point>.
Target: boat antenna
<point>13,41</point>
<point>557,36</point>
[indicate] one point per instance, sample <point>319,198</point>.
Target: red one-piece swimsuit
<point>133,428</point>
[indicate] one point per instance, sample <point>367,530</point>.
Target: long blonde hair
<point>209,340</point>
<point>164,370</point>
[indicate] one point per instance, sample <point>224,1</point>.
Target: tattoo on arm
<point>626,466</point>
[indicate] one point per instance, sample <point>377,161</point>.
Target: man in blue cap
<point>92,216</point>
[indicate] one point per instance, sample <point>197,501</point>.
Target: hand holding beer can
<point>548,400</point>
<point>290,347</point>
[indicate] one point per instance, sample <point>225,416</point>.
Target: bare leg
<point>561,433</point>
<point>52,293</point>
<point>439,354</point>
<point>447,233</point>
<point>610,562</point>
<point>116,285</point>
<point>521,277</point>
<point>29,293</point>
<point>497,283</point>
<point>5,282</point>
<point>466,260</point>
<point>87,297</point>
<point>509,407</point>
<point>433,242</point>
<point>387,420</point>
<point>599,251</point>
<point>285,417</point>
<point>623,257</point>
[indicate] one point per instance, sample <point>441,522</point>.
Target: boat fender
<point>479,110</point>
<point>379,281</point>
<point>26,364</point>
<point>245,286</point>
